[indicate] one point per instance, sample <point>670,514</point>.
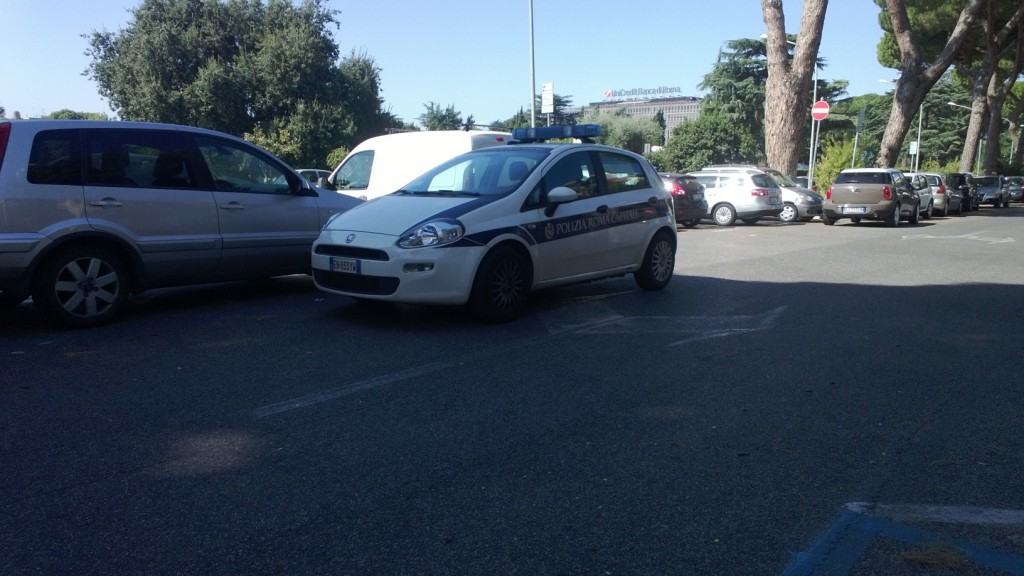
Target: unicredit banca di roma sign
<point>659,92</point>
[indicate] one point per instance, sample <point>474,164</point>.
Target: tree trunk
<point>997,91</point>
<point>787,104</point>
<point>1016,134</point>
<point>979,113</point>
<point>915,79</point>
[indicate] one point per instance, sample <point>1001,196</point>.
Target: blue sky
<point>473,54</point>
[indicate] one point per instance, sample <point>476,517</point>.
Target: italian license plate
<point>347,265</point>
<point>854,210</point>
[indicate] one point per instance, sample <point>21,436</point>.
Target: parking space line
<point>346,390</point>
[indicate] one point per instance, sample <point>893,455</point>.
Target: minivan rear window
<point>763,180</point>
<point>863,178</point>
<point>55,158</point>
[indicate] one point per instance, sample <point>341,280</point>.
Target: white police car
<point>489,226</point>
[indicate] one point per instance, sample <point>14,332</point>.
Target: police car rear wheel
<point>501,286</point>
<point>659,262</point>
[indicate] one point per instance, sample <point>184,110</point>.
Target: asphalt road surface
<point>722,426</point>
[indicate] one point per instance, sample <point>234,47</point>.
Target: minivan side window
<point>622,173</point>
<point>237,169</point>
<point>354,174</point>
<point>55,158</point>
<point>138,158</point>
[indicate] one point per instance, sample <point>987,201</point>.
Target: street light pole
<point>533,76</point>
<point>917,157</point>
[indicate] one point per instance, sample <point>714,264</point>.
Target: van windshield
<point>488,172</point>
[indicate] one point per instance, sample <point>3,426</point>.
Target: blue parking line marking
<point>835,552</point>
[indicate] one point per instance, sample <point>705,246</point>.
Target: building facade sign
<point>639,93</point>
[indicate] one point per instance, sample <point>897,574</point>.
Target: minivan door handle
<point>232,206</point>
<point>106,203</point>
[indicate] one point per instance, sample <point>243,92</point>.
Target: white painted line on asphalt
<point>940,514</point>
<point>347,389</point>
<point>577,316</point>
<point>695,328</point>
<point>976,236</point>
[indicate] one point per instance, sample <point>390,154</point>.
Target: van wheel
<point>893,220</point>
<point>827,220</point>
<point>724,215</point>
<point>82,286</point>
<point>658,264</point>
<point>501,286</point>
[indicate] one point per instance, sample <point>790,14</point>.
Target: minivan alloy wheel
<point>87,287</point>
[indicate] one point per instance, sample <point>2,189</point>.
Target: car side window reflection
<point>575,171</point>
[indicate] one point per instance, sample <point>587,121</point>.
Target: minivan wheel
<point>789,213</point>
<point>724,215</point>
<point>893,220</point>
<point>658,264</point>
<point>82,286</point>
<point>501,286</point>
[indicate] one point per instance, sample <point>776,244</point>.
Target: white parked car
<point>382,164</point>
<point>489,226</point>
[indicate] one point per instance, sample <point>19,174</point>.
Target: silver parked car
<point>944,201</point>
<point>93,211</point>
<point>798,202</point>
<point>923,185</point>
<point>747,195</point>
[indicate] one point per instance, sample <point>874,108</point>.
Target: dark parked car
<point>993,190</point>
<point>1016,186</point>
<point>687,198</point>
<point>963,183</point>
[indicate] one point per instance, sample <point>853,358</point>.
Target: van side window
<point>354,174</point>
<point>622,173</point>
<point>709,182</point>
<point>138,158</point>
<point>55,158</point>
<point>235,168</point>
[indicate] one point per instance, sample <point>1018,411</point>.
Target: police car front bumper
<point>372,266</point>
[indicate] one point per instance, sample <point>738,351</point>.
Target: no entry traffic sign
<point>820,110</point>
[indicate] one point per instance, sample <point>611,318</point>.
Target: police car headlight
<point>436,233</point>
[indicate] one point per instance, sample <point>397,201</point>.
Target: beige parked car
<point>872,193</point>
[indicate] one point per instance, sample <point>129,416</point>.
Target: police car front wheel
<point>501,285</point>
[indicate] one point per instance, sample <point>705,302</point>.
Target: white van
<point>383,164</point>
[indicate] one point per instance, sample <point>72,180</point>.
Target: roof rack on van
<point>583,132</point>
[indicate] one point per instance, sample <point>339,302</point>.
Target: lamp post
<point>533,77</point>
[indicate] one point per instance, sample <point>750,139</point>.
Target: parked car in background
<point>963,182</point>
<point>313,174</point>
<point>924,192</point>
<point>93,211</point>
<point>945,200</point>
<point>747,195</point>
<point>798,203</point>
<point>1015,184</point>
<point>383,164</point>
<point>993,190</point>
<point>802,182</point>
<point>687,197</point>
<point>871,193</point>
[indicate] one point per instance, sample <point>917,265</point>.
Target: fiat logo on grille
<point>350,238</point>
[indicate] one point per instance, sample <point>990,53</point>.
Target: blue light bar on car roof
<point>541,133</point>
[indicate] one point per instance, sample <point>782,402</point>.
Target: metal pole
<point>533,77</point>
<point>917,157</point>
<point>810,160</point>
<point>853,159</point>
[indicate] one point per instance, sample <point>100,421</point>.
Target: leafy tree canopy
<point>625,132</point>
<point>269,70</point>
<point>436,117</point>
<point>68,114</point>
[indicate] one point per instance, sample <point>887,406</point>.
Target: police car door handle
<point>602,209</point>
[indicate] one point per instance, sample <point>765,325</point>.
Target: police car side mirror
<point>559,195</point>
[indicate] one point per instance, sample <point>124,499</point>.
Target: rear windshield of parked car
<point>987,181</point>
<point>763,180</point>
<point>863,178</point>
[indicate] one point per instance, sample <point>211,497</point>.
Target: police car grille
<point>352,252</point>
<point>358,283</point>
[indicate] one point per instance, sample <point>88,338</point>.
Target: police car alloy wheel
<point>501,285</point>
<point>659,262</point>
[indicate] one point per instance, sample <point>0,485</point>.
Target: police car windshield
<point>488,172</point>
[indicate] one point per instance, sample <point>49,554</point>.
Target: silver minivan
<point>93,211</point>
<point>747,195</point>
